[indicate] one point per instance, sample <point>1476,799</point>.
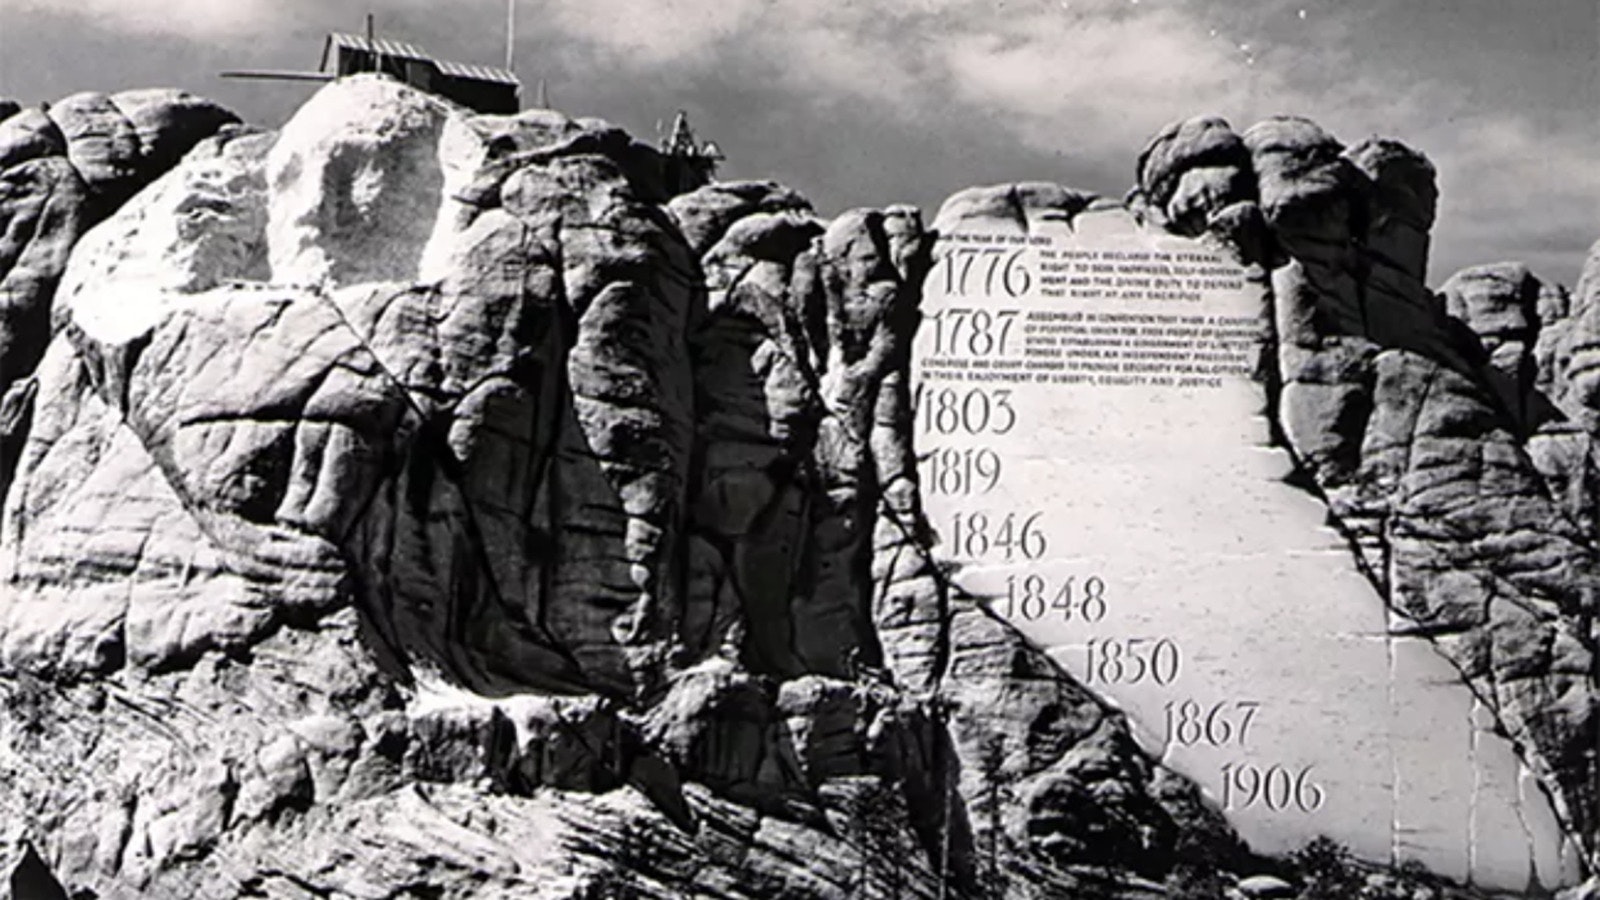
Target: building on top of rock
<point>693,164</point>
<point>481,88</point>
<point>484,89</point>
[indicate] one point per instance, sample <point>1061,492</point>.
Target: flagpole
<point>511,35</point>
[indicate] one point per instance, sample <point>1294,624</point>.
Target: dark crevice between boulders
<point>16,418</point>
<point>32,879</point>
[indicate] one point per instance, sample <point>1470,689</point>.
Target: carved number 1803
<point>972,411</point>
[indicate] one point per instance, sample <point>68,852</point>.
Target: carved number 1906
<point>1278,788</point>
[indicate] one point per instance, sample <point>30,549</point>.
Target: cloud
<point>1076,85</point>
<point>1094,78</point>
<point>656,32</point>
<point>184,18</point>
<point>1101,74</point>
<point>1099,83</point>
<point>1512,190</point>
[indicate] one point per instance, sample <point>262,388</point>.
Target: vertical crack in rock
<point>1396,788</point>
<point>1471,850</point>
<point>1533,885</point>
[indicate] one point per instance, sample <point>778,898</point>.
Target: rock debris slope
<point>418,503</point>
<point>1451,434</point>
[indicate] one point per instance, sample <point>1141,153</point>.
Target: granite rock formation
<point>1450,434</point>
<point>63,168</point>
<point>419,503</point>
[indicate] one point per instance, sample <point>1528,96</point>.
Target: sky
<point>868,103</point>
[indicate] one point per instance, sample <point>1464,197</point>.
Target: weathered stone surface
<point>570,530</point>
<point>1401,206</point>
<point>61,172</point>
<point>1193,169</point>
<point>118,142</point>
<point>44,207</point>
<point>1427,427</point>
<point>1017,205</point>
<point>30,134</point>
<point>416,502</point>
<point>1509,308</point>
<point>704,215</point>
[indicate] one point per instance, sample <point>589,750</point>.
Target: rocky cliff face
<point>1451,434</point>
<point>416,503</point>
<point>419,503</point>
<point>62,170</point>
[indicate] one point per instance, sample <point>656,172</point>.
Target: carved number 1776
<point>985,268</point>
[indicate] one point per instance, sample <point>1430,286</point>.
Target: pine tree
<point>877,819</point>
<point>991,763</point>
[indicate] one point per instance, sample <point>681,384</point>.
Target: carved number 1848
<point>1032,596</point>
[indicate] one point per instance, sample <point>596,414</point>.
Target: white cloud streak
<point>203,19</point>
<point>1094,78</point>
<point>1088,79</point>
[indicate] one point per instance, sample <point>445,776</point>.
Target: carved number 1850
<point>1132,661</point>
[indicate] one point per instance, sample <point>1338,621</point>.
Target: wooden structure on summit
<point>484,89</point>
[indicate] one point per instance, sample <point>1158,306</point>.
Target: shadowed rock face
<point>420,501</point>
<point>1450,435</point>
<point>1571,340</point>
